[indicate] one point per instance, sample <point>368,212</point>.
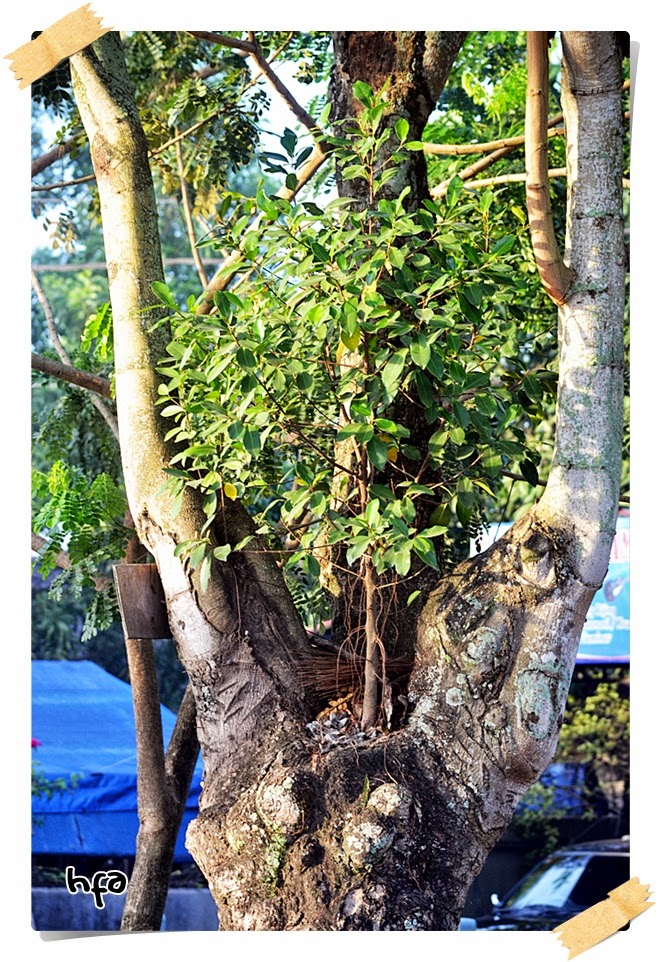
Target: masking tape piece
<point>66,37</point>
<point>606,918</point>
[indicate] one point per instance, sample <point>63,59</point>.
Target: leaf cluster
<point>291,394</point>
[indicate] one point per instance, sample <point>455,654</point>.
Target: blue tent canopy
<point>83,718</point>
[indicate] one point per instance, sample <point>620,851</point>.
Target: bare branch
<point>100,405</point>
<point>102,265</point>
<point>50,320</point>
<point>520,178</point>
<point>65,372</point>
<point>553,273</point>
<point>50,157</point>
<point>64,183</point>
<point>224,41</point>
<point>459,150</point>
<point>299,112</point>
<point>188,216</point>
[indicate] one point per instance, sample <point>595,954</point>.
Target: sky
<point>15,237</point>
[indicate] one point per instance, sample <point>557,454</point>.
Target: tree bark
<point>414,66</point>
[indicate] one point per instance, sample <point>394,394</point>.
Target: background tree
<point>334,834</point>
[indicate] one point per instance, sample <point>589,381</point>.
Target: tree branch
<point>553,273</point>
<point>263,66</point>
<point>100,405</point>
<point>73,375</point>
<point>60,350</point>
<point>50,157</point>
<point>224,41</point>
<point>188,217</point>
<point>459,150</point>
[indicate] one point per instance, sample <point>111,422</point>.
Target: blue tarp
<point>83,718</point>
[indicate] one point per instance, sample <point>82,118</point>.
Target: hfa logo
<point>102,883</point>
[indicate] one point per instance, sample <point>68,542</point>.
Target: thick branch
<point>73,375</point>
<point>554,275</point>
<point>51,157</point>
<point>100,405</point>
<point>459,150</point>
<point>584,482</point>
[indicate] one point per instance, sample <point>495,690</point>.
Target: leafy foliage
<point>291,395</point>
<point>86,518</point>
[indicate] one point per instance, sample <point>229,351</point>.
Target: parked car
<point>559,887</point>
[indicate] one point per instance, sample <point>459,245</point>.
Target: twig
<point>188,217</point>
<point>263,66</point>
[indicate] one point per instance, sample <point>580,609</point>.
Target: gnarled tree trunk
<point>386,832</point>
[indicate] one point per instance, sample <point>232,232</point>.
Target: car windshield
<point>570,881</point>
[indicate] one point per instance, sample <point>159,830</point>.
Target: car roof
<point>606,846</point>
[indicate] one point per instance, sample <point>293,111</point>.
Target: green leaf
<point>162,292</point>
<point>533,388</point>
<point>246,359</point>
<point>436,444</point>
<point>402,560</point>
<point>252,441</point>
<point>425,389</point>
<point>390,427</point>
<point>434,531</point>
<point>529,472</point>
<point>320,252</point>
<point>360,431</point>
<point>425,550</point>
<point>402,128</point>
<point>358,548</point>
<point>393,370</point>
<point>372,514</point>
<point>486,404</point>
<point>396,256</point>
<point>442,515</point>
<point>469,310</point>
<point>363,93</point>
<point>222,552</point>
<point>454,190</point>
<point>205,572</point>
<point>420,350</point>
<point>377,452</point>
<point>504,245</point>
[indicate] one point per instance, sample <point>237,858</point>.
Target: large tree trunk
<point>388,831</point>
